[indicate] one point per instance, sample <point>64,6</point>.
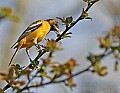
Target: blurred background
<point>105,14</point>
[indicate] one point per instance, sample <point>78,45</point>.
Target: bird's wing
<point>31,28</point>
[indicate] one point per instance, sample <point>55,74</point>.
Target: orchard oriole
<point>35,33</point>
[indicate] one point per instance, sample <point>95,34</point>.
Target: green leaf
<point>14,18</point>
<point>67,35</point>
<point>4,12</point>
<point>97,66</point>
<point>69,19</point>
<point>108,42</point>
<point>91,58</point>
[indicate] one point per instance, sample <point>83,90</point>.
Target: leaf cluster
<point>110,43</point>
<point>7,13</point>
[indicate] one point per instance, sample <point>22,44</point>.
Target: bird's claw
<point>40,47</point>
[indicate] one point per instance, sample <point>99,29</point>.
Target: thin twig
<point>31,78</point>
<point>80,18</point>
<point>59,81</point>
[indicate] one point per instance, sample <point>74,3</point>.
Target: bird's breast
<point>38,35</point>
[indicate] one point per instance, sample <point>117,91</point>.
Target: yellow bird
<point>35,33</point>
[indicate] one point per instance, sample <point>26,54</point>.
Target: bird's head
<point>54,25</point>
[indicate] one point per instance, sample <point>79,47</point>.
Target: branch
<point>68,28</point>
<point>59,81</point>
<point>6,87</point>
<point>80,18</point>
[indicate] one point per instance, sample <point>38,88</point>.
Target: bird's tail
<point>16,51</point>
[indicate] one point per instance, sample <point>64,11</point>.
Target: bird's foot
<point>40,47</point>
